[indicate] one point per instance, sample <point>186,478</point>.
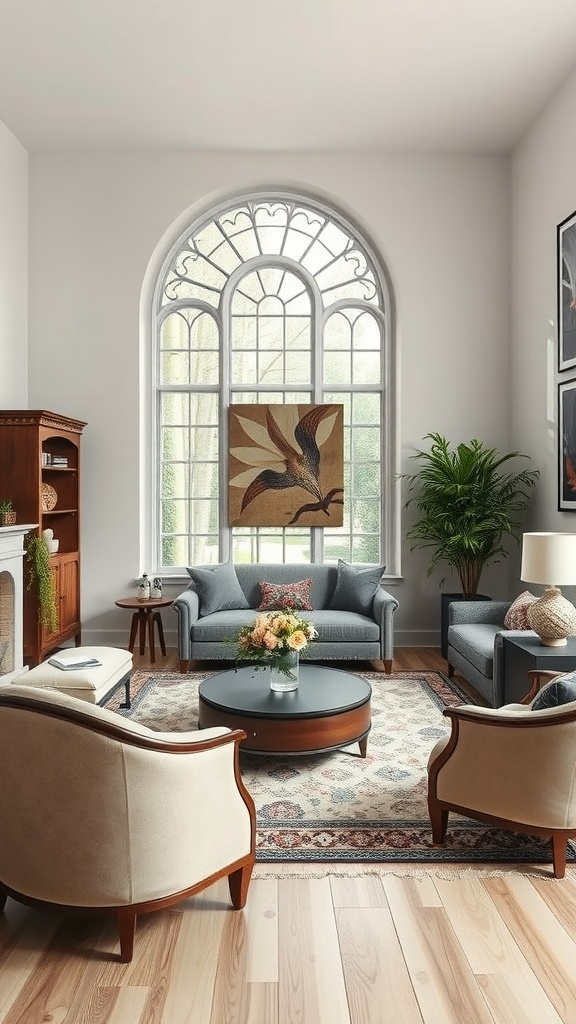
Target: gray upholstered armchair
<point>475,633</point>
<point>98,813</point>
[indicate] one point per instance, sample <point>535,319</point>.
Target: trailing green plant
<point>6,505</point>
<point>468,499</point>
<point>40,575</point>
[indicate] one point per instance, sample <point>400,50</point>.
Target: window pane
<point>175,368</point>
<point>204,442</point>
<point>297,368</point>
<point>175,443</point>
<point>203,516</point>
<point>366,516</point>
<point>366,367</point>
<point>174,407</point>
<point>336,547</point>
<point>175,550</point>
<point>203,550</point>
<point>271,368</point>
<point>366,443</point>
<point>244,368</point>
<point>366,479</point>
<point>204,367</point>
<point>204,479</point>
<point>175,477</point>
<point>174,516</point>
<point>366,408</point>
<point>366,549</point>
<point>366,332</point>
<point>204,408</point>
<point>337,368</point>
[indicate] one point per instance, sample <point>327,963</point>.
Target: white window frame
<point>389,476</point>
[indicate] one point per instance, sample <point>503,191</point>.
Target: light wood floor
<point>473,948</point>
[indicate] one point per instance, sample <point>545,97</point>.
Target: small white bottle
<point>156,589</point>
<point>144,588</point>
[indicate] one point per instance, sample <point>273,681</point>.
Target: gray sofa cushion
<point>218,588</point>
<point>332,627</point>
<point>355,587</point>
<point>475,642</point>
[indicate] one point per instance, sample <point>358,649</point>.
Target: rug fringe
<point>263,871</point>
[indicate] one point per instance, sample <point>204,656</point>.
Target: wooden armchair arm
<point>538,678</point>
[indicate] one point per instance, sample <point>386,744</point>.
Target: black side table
<point>523,654</point>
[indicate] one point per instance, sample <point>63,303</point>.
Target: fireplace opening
<point>7,622</point>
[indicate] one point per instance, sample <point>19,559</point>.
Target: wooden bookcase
<point>28,439</point>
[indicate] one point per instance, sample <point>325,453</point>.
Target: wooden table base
<point>145,619</point>
<point>146,614</point>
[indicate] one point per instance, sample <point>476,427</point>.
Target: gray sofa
<point>475,649</point>
<point>341,634</point>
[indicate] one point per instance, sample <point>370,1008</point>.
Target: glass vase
<point>286,677</point>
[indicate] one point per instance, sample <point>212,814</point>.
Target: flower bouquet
<point>274,640</point>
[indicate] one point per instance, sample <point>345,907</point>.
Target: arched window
<point>270,298</point>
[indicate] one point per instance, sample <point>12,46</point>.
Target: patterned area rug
<point>339,807</point>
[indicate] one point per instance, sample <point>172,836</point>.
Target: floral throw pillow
<point>286,596</point>
<point>517,615</point>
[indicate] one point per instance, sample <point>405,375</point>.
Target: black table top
<point>533,645</point>
<point>322,691</point>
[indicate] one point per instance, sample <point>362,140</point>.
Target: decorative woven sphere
<point>552,616</point>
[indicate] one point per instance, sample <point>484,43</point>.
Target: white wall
<point>13,272</point>
<point>442,227</point>
<point>543,177</point>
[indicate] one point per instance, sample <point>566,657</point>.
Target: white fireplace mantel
<point>11,561</point>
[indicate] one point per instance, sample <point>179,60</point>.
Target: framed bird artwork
<point>286,465</point>
<point>567,446</point>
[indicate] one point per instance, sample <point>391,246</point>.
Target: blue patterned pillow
<point>559,691</point>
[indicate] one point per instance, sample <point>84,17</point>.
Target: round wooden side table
<point>146,613</point>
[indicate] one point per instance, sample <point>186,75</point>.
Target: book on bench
<point>70,661</point>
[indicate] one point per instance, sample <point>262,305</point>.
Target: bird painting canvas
<point>286,465</point>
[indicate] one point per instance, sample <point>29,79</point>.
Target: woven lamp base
<point>553,618</point>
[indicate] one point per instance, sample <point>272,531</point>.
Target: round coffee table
<point>330,709</point>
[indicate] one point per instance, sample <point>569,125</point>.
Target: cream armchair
<point>512,767</point>
<point>100,814</point>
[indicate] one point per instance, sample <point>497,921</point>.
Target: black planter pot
<point>445,602</point>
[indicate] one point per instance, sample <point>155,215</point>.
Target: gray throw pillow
<point>355,587</point>
<point>218,588</point>
<point>559,691</point>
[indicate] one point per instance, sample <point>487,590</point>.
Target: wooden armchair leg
<point>184,664</point>
<point>439,822</point>
<point>388,666</point>
<point>238,883</point>
<point>127,931</point>
<point>559,843</point>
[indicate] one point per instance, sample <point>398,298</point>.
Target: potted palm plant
<point>468,497</point>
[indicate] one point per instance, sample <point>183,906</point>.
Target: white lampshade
<point>549,558</point>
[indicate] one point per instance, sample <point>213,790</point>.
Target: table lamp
<point>550,559</point>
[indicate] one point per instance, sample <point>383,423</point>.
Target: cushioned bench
<point>95,685</point>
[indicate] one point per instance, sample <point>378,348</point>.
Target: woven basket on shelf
<point>49,497</point>
<point>7,518</point>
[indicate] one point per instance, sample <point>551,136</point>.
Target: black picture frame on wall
<point>566,292</point>
<point>567,446</point>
